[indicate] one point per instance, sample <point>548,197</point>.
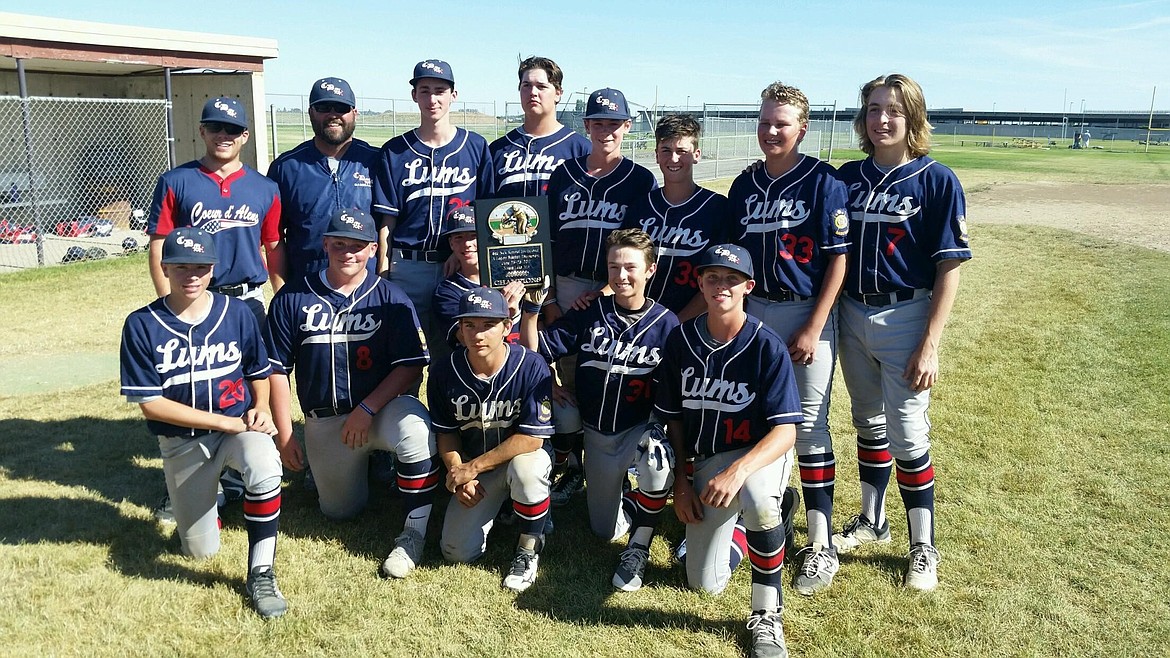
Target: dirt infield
<point>1134,214</point>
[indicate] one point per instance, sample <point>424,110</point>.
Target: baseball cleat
<point>522,573</point>
<point>817,571</point>
<point>767,635</point>
<point>164,512</point>
<point>232,485</point>
<point>265,595</point>
<point>407,553</point>
<point>859,531</point>
<point>631,567</point>
<point>310,481</point>
<point>922,574</point>
<point>571,482</point>
<point>383,469</point>
<point>788,506</point>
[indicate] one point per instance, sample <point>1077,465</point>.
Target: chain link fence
<point>76,177</point>
<point>729,140</point>
<point>379,119</point>
<point>728,143</point>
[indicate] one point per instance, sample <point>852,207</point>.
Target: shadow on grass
<point>574,584</point>
<point>95,453</point>
<point>133,544</point>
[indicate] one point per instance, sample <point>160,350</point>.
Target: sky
<point>991,55</point>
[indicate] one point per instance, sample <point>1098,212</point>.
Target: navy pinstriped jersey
<point>523,163</point>
<point>727,396</point>
<point>419,185</point>
<point>902,224</point>
<point>342,346</point>
<point>790,224</point>
<point>445,306</point>
<point>484,413</point>
<point>201,365</point>
<point>682,233</point>
<point>241,212</point>
<point>585,210</point>
<point>618,353</point>
<point>310,192</point>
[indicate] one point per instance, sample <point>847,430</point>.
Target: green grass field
<point>1053,516</point>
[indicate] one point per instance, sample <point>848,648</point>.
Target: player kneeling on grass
<point>490,402</point>
<point>730,400</point>
<point>618,343</point>
<point>357,347</point>
<point>195,362</point>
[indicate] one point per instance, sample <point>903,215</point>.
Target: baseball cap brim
<point>609,115</point>
<point>351,235</point>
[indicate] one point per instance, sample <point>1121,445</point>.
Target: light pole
<point>688,104</point>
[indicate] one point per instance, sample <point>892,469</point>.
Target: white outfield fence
<point>73,171</point>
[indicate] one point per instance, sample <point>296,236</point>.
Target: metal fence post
<point>272,123</point>
<point>304,117</point>
<point>832,131</point>
<point>26,120</point>
<point>170,107</point>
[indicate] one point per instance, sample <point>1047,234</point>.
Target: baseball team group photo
<point>529,395</point>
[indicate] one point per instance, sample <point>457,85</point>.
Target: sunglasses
<point>218,127</point>
<point>331,108</point>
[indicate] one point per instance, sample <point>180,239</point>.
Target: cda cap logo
<point>225,108</point>
<point>184,241</point>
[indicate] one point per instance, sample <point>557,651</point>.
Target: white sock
<point>642,536</point>
<point>765,597</point>
<point>818,527</point>
<point>263,554</point>
<point>418,519</point>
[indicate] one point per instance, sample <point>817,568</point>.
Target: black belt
<point>423,255</point>
<point>581,274</point>
<point>881,299</point>
<point>327,412</point>
<point>781,296</point>
<point>238,290</point>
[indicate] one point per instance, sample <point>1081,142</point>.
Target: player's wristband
<point>366,408</point>
<point>528,307</point>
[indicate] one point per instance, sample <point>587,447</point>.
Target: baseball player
<point>225,198</point>
<point>729,397</point>
<point>331,172</point>
<point>358,348</point>
<point>420,177</point>
<point>618,342</point>
<point>909,233</point>
<point>589,197</point>
<point>230,201</point>
<point>525,158</point>
<point>492,413</point>
<point>682,218</point>
<point>790,216</point>
<point>195,362</point>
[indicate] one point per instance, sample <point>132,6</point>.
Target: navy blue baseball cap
<point>733,257</point>
<point>483,303</point>
<point>433,68</point>
<point>225,110</point>
<point>188,246</point>
<point>332,90</point>
<point>353,224</point>
<point>608,104</point>
<point>460,220</point>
